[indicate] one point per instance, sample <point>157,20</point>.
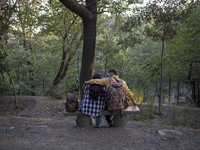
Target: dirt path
<point>41,125</point>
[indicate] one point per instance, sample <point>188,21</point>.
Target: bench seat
<point>128,111</point>
<point>119,117</point>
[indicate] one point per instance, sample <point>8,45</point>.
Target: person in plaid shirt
<point>93,102</point>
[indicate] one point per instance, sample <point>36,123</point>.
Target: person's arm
<point>133,101</point>
<point>104,81</point>
<point>129,93</point>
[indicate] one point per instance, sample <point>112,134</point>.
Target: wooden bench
<point>119,117</point>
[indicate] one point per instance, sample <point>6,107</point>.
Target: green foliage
<point>187,115</point>
<point>146,112</point>
<point>182,115</point>
<point>185,48</point>
<point>5,87</point>
<point>57,93</point>
<point>116,7</point>
<point>121,45</point>
<point>174,115</point>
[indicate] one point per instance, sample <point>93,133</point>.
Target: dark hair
<point>97,76</point>
<point>113,71</point>
<point>96,90</point>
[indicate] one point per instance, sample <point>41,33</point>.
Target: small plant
<point>174,115</point>
<point>147,112</point>
<point>57,93</point>
<point>187,115</point>
<point>150,110</point>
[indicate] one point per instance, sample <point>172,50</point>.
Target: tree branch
<point>76,8</point>
<point>100,12</point>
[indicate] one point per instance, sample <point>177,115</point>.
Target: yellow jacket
<point>106,82</point>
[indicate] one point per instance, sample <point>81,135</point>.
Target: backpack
<point>116,95</point>
<point>71,104</point>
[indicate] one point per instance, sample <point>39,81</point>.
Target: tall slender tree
<point>159,20</point>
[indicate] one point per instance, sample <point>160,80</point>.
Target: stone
<point>120,120</point>
<point>169,133</point>
<point>83,121</point>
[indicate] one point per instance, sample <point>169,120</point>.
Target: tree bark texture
<point>88,14</point>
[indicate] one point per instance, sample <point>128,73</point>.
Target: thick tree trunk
<point>88,14</point>
<point>88,51</point>
<point>89,34</point>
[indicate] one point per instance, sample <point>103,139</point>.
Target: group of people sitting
<point>94,98</point>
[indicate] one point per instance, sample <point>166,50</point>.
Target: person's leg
<point>109,120</point>
<point>98,121</point>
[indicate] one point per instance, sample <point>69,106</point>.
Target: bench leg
<point>83,121</point>
<point>120,120</point>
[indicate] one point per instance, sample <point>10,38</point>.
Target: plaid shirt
<point>92,107</point>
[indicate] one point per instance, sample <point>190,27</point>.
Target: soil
<point>39,124</point>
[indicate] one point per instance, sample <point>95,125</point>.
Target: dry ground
<point>40,124</point>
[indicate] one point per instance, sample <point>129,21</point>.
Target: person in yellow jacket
<point>105,81</point>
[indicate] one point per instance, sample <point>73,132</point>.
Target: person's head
<point>111,73</point>
<point>97,76</point>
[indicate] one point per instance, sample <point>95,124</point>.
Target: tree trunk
<point>193,91</point>
<point>161,74</point>
<point>169,92</point>
<point>62,65</point>
<point>198,95</point>
<point>144,95</point>
<point>89,29</point>
<point>65,61</point>
<point>178,92</point>
<point>11,81</point>
<point>88,14</point>
<point>78,67</point>
<point>192,83</point>
<point>18,80</point>
<point>16,100</point>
